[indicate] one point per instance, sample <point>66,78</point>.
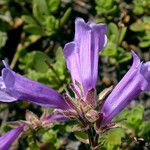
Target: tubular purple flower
<point>7,139</point>
<point>82,54</point>
<point>136,80</point>
<point>15,87</point>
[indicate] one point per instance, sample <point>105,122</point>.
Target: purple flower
<point>136,80</point>
<point>7,139</point>
<point>82,61</point>
<point>15,87</point>
<point>82,54</point>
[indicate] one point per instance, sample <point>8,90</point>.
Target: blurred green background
<point>35,31</point>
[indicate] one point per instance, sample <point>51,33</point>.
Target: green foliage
<point>134,118</point>
<point>106,7</point>
<point>40,67</point>
<point>144,130</point>
<point>141,6</point>
<point>113,48</point>
<point>142,28</point>
<point>133,126</point>
<point>32,143</point>
<point>82,136</point>
<point>113,139</point>
<point>53,5</point>
<point>50,137</point>
<point>3,38</point>
<point>4,26</point>
<point>43,21</point>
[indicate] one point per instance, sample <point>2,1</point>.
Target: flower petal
<point>21,88</point>
<point>131,85</point>
<point>82,54</point>
<point>145,72</point>
<point>7,139</point>
<point>73,63</point>
<point>4,97</point>
<point>54,117</point>
<point>99,40</point>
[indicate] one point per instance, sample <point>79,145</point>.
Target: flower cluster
<point>93,114</point>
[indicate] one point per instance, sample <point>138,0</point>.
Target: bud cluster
<point>85,109</point>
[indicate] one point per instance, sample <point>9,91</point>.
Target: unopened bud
<point>32,119</point>
<point>92,115</point>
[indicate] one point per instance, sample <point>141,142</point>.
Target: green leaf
<point>144,44</point>
<point>146,19</point>
<point>60,64</point>
<point>126,56</point>
<point>32,145</point>
<point>122,34</point>
<point>146,37</point>
<point>135,117</point>
<point>115,136</point>
<point>35,60</point>
<point>28,19</point>
<point>53,5</point>
<point>138,10</point>
<point>65,17</point>
<point>110,49</point>
<point>40,10</point>
<point>137,27</point>
<point>105,7</point>
<point>33,29</point>
<point>3,39</point>
<point>50,25</point>
<point>50,137</point>
<point>39,61</point>
<point>82,136</point>
<point>144,130</point>
<point>113,32</point>
<point>113,139</point>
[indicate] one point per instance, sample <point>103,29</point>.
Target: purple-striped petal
<point>7,139</point>
<point>18,87</point>
<point>5,97</point>
<point>136,80</point>
<point>82,54</point>
<point>54,117</point>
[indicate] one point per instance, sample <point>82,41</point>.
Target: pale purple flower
<point>82,54</point>
<point>8,138</point>
<point>136,80</point>
<point>15,87</point>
